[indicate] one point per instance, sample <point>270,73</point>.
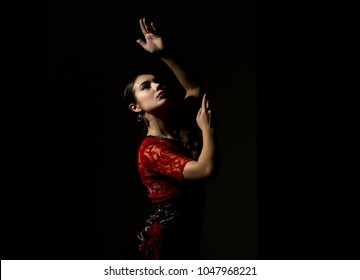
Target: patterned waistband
<point>169,204</point>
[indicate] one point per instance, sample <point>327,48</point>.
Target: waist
<point>172,203</point>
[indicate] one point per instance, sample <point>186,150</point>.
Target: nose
<point>159,86</point>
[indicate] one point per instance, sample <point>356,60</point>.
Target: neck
<point>158,127</point>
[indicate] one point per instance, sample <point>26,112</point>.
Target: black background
<point>97,202</point>
<point>280,77</point>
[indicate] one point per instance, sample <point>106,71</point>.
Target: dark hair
<point>129,97</point>
<point>190,138</point>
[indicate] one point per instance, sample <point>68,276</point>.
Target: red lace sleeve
<point>163,158</point>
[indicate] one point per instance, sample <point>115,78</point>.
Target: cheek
<point>141,99</point>
<point>145,102</point>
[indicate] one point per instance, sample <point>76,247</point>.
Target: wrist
<point>208,132</point>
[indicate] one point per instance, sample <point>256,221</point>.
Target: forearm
<point>154,44</point>
<point>189,81</point>
<point>207,156</point>
<point>205,166</point>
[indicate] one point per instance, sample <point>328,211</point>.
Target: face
<point>150,94</point>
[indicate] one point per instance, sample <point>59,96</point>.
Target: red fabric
<point>161,163</point>
<point>150,246</point>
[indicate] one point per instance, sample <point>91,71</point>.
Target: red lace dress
<point>173,230</point>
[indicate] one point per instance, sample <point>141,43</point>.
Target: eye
<point>144,86</point>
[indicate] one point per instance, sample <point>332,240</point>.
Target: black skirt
<point>172,232</point>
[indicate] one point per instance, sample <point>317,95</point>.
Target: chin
<point>162,109</point>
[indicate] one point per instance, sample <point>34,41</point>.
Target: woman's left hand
<point>153,42</point>
<point>203,117</point>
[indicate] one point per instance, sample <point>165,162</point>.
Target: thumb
<point>141,42</point>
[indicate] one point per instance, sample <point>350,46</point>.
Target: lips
<point>161,94</point>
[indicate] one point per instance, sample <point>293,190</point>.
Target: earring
<point>139,117</point>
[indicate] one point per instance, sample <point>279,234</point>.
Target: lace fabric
<point>173,230</point>
<point>161,163</point>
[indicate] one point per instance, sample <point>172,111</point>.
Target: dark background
<point>281,77</point>
<point>96,201</point>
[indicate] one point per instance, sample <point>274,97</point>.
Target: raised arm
<point>206,167</point>
<point>154,44</point>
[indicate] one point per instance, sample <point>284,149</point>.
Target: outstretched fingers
<point>208,111</point>
<point>145,28</point>
<point>153,26</point>
<point>205,106</point>
<point>203,103</point>
<point>204,111</point>
<point>143,25</point>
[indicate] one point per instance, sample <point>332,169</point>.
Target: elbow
<point>194,92</point>
<point>214,174</point>
<point>211,173</point>
<point>204,172</point>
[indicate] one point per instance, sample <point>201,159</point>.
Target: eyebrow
<point>143,83</point>
<point>152,80</point>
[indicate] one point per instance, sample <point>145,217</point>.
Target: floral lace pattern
<point>160,164</point>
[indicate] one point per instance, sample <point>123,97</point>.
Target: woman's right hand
<point>203,117</point>
<point>153,42</point>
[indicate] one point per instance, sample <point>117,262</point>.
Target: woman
<point>176,157</point>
